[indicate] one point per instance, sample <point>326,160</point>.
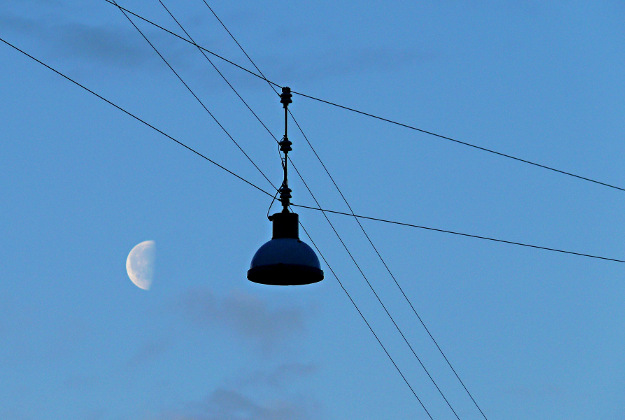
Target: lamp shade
<point>285,260</point>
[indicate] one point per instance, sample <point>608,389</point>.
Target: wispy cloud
<point>230,404</point>
<point>114,45</point>
<point>149,350</point>
<point>243,396</point>
<point>279,377</point>
<point>247,315</point>
<point>341,63</point>
<point>232,401</point>
<point>108,45</point>
<point>16,23</point>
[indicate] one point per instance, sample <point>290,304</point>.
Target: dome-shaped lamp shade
<point>285,260</point>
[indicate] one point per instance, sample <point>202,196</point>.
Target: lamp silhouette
<point>285,260</point>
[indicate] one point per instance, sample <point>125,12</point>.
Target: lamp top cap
<point>285,225</point>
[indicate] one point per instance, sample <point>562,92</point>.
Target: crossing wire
<point>231,173</point>
<point>241,149</point>
<point>468,235</point>
<point>365,320</point>
<point>142,121</point>
<point>380,118</point>
<point>313,196</point>
<point>366,235</point>
<point>376,219</point>
<point>194,95</point>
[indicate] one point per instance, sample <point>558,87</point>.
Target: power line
<point>380,301</point>
<point>468,235</point>
<point>388,120</point>
<point>142,121</point>
<point>300,205</point>
<point>225,79</point>
<point>193,93</point>
<point>267,193</point>
<point>366,322</point>
<point>464,143</point>
<point>406,298</point>
<point>255,115</point>
<point>190,42</point>
<point>271,84</point>
<point>231,173</point>
<point>339,237</point>
<point>218,71</point>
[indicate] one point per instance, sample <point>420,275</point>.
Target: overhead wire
<point>358,216</point>
<point>223,25</point>
<point>406,298</point>
<point>188,41</point>
<point>377,219</point>
<point>468,235</point>
<point>337,234</point>
<point>310,191</point>
<point>365,320</point>
<point>217,69</point>
<point>248,182</point>
<point>180,143</point>
<point>314,151</point>
<point>247,156</point>
<point>464,143</point>
<point>374,116</point>
<point>193,93</point>
<point>229,84</point>
<point>97,95</point>
<point>130,114</point>
<point>439,230</point>
<point>225,79</point>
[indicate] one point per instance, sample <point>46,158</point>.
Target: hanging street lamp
<point>285,260</point>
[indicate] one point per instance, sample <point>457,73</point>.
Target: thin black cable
<point>190,42</point>
<point>272,85</point>
<point>468,235</point>
<point>193,93</point>
<point>320,253</point>
<point>349,206</point>
<point>391,273</point>
<point>216,68</point>
<point>135,117</point>
<point>362,228</point>
<point>231,173</point>
<point>365,320</point>
<point>225,79</point>
<point>376,294</point>
<point>431,133</point>
<point>284,162</point>
<point>424,132</point>
<point>464,143</point>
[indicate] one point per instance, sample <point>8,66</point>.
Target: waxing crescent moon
<point>140,264</point>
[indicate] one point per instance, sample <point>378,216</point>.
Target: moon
<point>140,264</point>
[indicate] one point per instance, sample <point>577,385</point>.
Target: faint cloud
<point>108,45</point>
<point>247,315</point>
<point>339,63</point>
<point>114,45</point>
<point>229,404</point>
<point>281,376</point>
<point>148,351</point>
<point>225,404</point>
<point>16,23</point>
<point>260,393</point>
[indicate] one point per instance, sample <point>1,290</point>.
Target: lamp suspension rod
<point>285,147</point>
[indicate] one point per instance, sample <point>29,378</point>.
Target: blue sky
<point>533,334</point>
